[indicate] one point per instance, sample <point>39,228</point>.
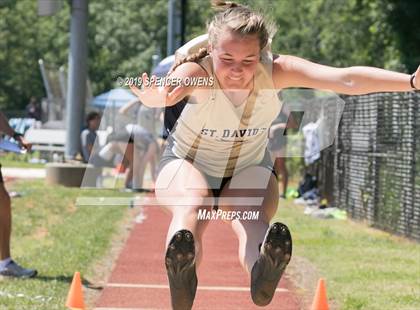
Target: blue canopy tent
<point>163,67</point>
<point>112,100</point>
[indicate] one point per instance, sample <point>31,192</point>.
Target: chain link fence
<point>372,169</point>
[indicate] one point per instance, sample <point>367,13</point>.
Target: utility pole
<point>77,76</point>
<point>77,72</point>
<point>176,25</point>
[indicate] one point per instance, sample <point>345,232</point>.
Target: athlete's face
<point>235,59</point>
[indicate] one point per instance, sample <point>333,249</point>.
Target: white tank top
<point>222,139</point>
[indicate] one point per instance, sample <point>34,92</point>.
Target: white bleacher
<point>53,140</point>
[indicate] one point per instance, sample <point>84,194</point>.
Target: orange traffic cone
<point>320,301</point>
<point>75,296</point>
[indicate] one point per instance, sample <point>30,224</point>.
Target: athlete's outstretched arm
<point>156,97</point>
<point>291,71</point>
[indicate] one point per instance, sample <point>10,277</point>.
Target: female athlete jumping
<point>216,155</point>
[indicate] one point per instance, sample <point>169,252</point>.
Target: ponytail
<point>196,57</point>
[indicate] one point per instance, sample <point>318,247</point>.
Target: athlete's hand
<point>155,96</point>
<point>23,143</point>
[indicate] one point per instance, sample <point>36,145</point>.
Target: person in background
<point>8,267</point>
<point>134,144</point>
<point>144,136</point>
<point>33,109</point>
<point>147,118</point>
<point>89,135</point>
<point>277,145</point>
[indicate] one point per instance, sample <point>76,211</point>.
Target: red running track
<point>139,279</point>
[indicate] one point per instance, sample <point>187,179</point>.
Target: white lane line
<point>25,173</point>
<point>203,288</point>
<point>152,202</point>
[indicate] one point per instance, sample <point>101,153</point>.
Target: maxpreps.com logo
<point>204,215</point>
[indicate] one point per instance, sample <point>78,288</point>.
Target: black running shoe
<point>180,267</point>
<point>275,254</point>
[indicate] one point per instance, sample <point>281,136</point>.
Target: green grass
<point>58,238</point>
<point>19,164</point>
<point>364,268</point>
<point>20,160</point>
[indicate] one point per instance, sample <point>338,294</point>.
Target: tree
<point>123,36</point>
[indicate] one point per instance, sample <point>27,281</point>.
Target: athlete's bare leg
<point>5,222</point>
<point>184,191</point>
<point>252,182</point>
<point>187,189</point>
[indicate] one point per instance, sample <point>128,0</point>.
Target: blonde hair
<point>234,17</point>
